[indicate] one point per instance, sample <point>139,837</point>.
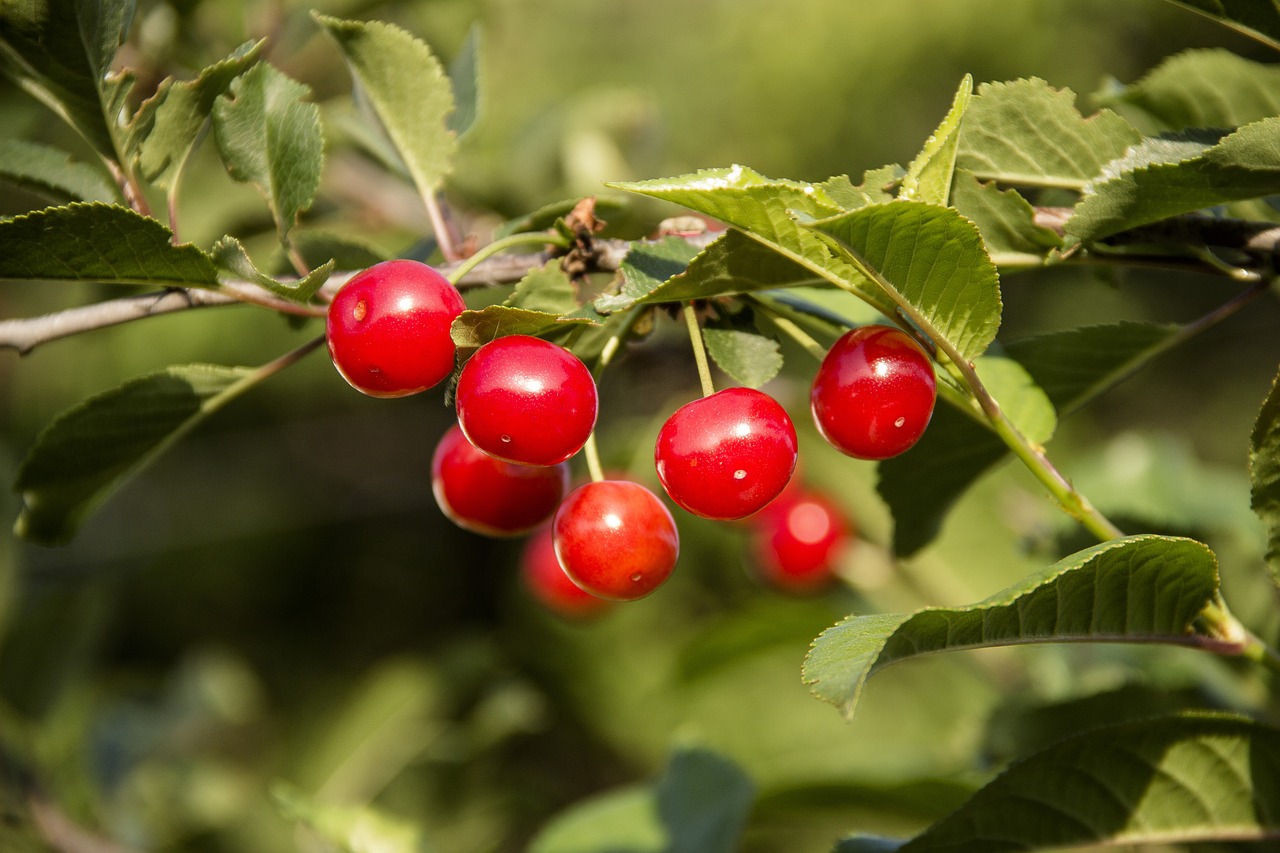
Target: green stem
<point>263,373</point>
<point>699,350</point>
<point>525,238</point>
<point>592,454</point>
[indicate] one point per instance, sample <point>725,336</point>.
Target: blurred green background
<point>279,598</point>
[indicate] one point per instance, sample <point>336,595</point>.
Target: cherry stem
<point>444,236</point>
<point>699,350</point>
<point>525,238</point>
<point>592,454</point>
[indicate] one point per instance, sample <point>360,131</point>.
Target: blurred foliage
<point>275,629</point>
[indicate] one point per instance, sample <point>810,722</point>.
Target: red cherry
<point>388,328</point>
<point>873,395</point>
<point>547,582</point>
<point>798,540</point>
<point>526,400</point>
<point>489,496</point>
<point>727,455</point>
<point>615,539</point>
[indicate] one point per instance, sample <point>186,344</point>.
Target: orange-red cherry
<point>547,582</point>
<point>490,496</point>
<point>388,328</point>
<point>726,455</point>
<point>873,395</point>
<point>616,539</point>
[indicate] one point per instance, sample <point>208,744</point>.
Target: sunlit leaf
<point>1168,177</point>
<point>646,267</point>
<point>232,259</point>
<point>407,89</point>
<point>271,138</point>
<point>93,448</point>
<point>98,242</point>
<point>1028,134</point>
<point>53,173</point>
<point>738,348</point>
<point>928,178</point>
<point>547,289</point>
<point>1138,589</point>
<point>1006,221</point>
<point>473,329</point>
<point>168,125</point>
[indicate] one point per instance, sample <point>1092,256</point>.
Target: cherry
<point>726,455</point>
<point>526,400</point>
<point>547,582</point>
<point>615,539</point>
<point>489,496</point>
<point>388,328</point>
<point>873,395</point>
<point>797,541</point>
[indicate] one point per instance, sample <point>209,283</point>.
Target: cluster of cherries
<point>526,405</point>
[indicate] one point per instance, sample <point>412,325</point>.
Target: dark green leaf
<point>467,81</point>
<point>1260,20</point>
<point>740,350</point>
<point>1168,177</point>
<point>232,259</point>
<point>168,125</point>
<point>1006,221</point>
<point>1028,134</point>
<point>645,269</point>
<point>407,89</point>
<point>931,258</point>
<point>271,138</point>
<point>1264,473</point>
<point>474,329</point>
<point>347,250</point>
<point>868,844</point>
<point>547,289</point>
<point>59,51</point>
<point>928,178</point>
<point>53,173</point>
<point>1204,88</point>
<point>1138,589</point>
<point>94,447</point>
<point>98,242</point>
<point>1172,780</point>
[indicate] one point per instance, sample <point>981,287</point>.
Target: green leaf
<point>234,261</point>
<point>767,210</point>
<point>931,258</point>
<point>928,178</point>
<point>1165,781</point>
<point>467,81</point>
<point>98,242</point>
<point>700,805</point>
<point>347,250</point>
<point>1204,88</point>
<point>547,289</point>
<point>1259,20</point>
<point>168,125</point>
<point>741,351</point>
<point>1006,221</point>
<point>59,51</point>
<point>407,89</point>
<point>1028,134</point>
<point>53,173</point>
<point>93,448</point>
<point>1070,367</point>
<point>1169,177</point>
<point>1137,589</point>
<point>1264,472</point>
<point>473,329</point>
<point>646,267</point>
<point>352,829</point>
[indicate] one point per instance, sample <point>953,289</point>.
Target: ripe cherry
<point>526,400</point>
<point>726,455</point>
<point>388,328</point>
<point>873,395</point>
<point>489,496</point>
<point>546,581</point>
<point>616,539</point>
<point>797,541</point>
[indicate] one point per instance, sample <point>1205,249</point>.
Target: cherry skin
<point>873,395</point>
<point>388,328</point>
<point>526,400</point>
<point>489,496</point>
<point>615,539</point>
<point>797,541</point>
<point>548,584</point>
<point>726,455</point>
